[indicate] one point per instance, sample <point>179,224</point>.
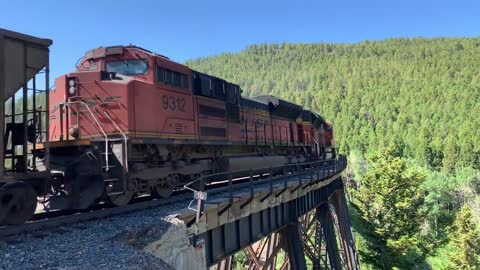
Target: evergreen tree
<point>389,198</point>
<point>465,242</point>
<point>419,97</point>
<point>422,95</point>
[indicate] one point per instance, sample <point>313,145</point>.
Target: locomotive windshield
<point>128,67</point>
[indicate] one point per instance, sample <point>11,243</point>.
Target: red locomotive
<point>143,123</point>
<point>129,122</point>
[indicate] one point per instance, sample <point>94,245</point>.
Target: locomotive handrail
<point>330,168</point>
<point>96,122</point>
<point>341,157</point>
<point>125,138</point>
<point>317,146</point>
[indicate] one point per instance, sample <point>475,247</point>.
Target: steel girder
<point>307,227</point>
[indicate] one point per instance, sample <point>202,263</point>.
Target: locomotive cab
<point>118,98</point>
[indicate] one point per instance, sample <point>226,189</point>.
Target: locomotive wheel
<point>18,202</point>
<point>87,189</point>
<point>166,189</point>
<point>161,191</point>
<point>120,199</point>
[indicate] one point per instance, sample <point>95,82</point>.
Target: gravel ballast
<point>108,243</point>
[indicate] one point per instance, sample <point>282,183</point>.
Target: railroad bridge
<point>294,221</point>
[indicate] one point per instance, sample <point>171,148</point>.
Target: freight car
<point>129,121</point>
<point>24,78</point>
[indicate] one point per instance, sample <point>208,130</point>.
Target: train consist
<point>131,122</point>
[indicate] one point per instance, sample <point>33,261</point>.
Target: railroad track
<point>49,220</point>
<point>82,216</point>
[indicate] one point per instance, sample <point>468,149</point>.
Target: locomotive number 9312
<point>173,103</point>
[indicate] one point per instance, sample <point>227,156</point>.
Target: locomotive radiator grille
<point>178,128</point>
<point>211,111</point>
<point>213,132</point>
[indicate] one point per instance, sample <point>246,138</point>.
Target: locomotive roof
<point>211,76</point>
<point>252,102</point>
<point>254,99</point>
<point>275,101</point>
<point>313,117</point>
<point>280,107</point>
<point>111,50</point>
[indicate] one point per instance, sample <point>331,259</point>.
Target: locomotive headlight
<point>72,86</point>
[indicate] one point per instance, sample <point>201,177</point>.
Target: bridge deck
<point>275,204</point>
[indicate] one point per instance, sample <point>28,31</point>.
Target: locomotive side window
<point>173,78</point>
<point>212,87</point>
<point>176,79</point>
<point>232,93</point>
<point>168,77</point>
<point>127,67</point>
<point>219,89</point>
<point>185,81</point>
<point>206,86</point>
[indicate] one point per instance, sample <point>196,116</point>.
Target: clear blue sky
<point>183,29</point>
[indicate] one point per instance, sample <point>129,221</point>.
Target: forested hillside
<point>407,113</point>
<point>421,95</point>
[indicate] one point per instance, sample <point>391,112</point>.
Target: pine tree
<point>465,241</point>
<point>389,198</point>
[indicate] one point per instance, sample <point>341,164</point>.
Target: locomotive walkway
<point>278,221</point>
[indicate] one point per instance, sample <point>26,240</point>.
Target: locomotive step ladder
<point>108,164</point>
<point>114,167</point>
<point>114,150</point>
<point>117,148</point>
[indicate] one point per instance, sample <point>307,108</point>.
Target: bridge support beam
<point>339,203</point>
<point>320,239</point>
<point>293,237</point>
<point>324,217</point>
<point>311,240</point>
<point>322,227</point>
<point>306,225</point>
<point>279,250</point>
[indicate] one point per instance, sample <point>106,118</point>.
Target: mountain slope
<point>421,95</point>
